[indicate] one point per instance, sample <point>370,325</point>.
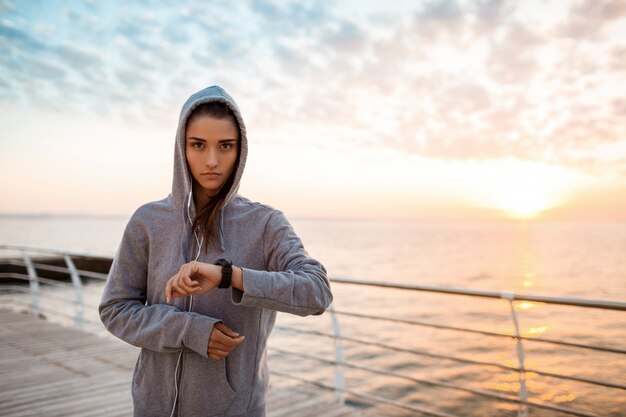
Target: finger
<point>239,340</point>
<point>219,352</point>
<point>218,337</point>
<point>176,286</point>
<point>232,343</point>
<point>216,342</point>
<point>214,357</point>
<point>226,330</point>
<point>213,344</point>
<point>168,291</point>
<point>221,338</point>
<point>226,347</point>
<point>190,282</point>
<point>182,284</point>
<point>195,287</point>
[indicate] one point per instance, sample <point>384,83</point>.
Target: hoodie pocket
<point>206,390</point>
<point>223,364</point>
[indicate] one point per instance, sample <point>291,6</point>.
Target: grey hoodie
<point>278,275</point>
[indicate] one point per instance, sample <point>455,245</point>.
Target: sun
<point>520,189</point>
<point>522,203</point>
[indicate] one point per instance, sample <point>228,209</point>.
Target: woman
<point>199,276</point>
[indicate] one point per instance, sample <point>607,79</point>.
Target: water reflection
<point>524,255</point>
<point>524,305</point>
<point>537,330</point>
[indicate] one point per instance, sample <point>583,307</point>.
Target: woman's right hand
<point>222,341</point>
<point>193,278</point>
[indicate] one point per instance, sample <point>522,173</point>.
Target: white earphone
<point>180,354</point>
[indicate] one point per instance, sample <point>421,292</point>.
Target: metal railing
<point>31,276</point>
<point>26,260</point>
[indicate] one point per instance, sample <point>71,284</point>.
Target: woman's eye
<point>197,145</point>
<point>227,145</point>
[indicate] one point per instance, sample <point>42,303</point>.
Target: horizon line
<point>344,218</point>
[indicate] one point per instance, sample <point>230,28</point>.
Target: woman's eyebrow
<point>204,140</point>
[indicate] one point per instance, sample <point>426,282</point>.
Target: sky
<point>426,110</point>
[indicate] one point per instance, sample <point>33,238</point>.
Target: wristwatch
<point>227,272</point>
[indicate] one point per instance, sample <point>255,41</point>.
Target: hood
<point>182,182</point>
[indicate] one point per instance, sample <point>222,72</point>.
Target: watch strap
<point>227,272</point>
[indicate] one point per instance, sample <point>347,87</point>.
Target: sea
<point>577,260</point>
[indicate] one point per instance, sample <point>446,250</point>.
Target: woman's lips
<point>210,174</point>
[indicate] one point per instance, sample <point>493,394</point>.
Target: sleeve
<point>295,283</point>
<point>123,309</point>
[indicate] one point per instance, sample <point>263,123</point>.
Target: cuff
<point>251,278</point>
<point>198,333</point>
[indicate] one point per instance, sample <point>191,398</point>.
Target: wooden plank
<point>47,369</point>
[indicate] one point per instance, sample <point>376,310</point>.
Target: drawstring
<point>189,206</point>
<point>221,234</point>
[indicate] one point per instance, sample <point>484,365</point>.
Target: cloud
<point>348,37</point>
<point>7,5</point>
<point>590,18</point>
<point>444,79</point>
<point>78,56</point>
<point>478,83</point>
<point>18,38</point>
<point>290,17</point>
<point>440,10</point>
<point>518,67</point>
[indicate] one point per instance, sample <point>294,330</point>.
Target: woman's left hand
<point>193,278</point>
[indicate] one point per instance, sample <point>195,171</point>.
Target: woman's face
<point>211,151</point>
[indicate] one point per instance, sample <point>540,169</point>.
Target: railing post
<point>78,290</point>
<point>33,282</point>
<point>522,411</point>
<point>340,382</point>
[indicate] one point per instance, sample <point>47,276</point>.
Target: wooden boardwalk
<point>50,370</point>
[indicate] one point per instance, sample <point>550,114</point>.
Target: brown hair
<point>207,216</point>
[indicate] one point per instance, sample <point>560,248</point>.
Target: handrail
<point>483,332</point>
<point>454,358</point>
<point>480,392</point>
<point>578,302</point>
<point>47,281</point>
<point>54,268</point>
<point>572,301</point>
<point>371,397</point>
<point>415,408</point>
<point>78,302</point>
<point>57,312</point>
<point>54,251</point>
<point>65,299</point>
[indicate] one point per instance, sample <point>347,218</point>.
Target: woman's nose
<point>212,159</point>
